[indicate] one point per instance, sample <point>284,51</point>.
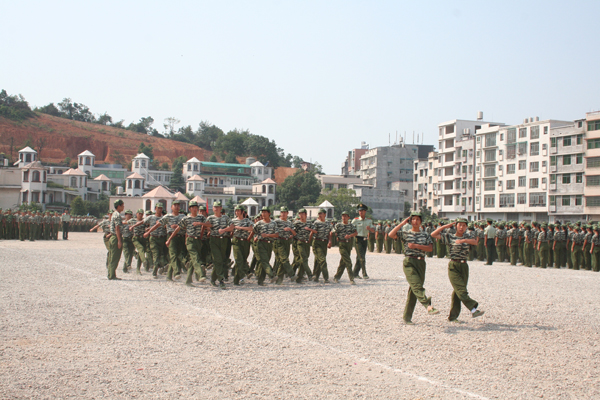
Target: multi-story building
<point>330,182</point>
<point>592,168</point>
<point>512,170</point>
<point>456,172</point>
<point>351,165</point>
<point>566,172</point>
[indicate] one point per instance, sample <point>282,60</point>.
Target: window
<point>579,139</point>
<point>449,143</point>
<point>593,144</point>
<point>449,157</point>
<point>533,183</point>
<point>464,184</point>
<point>490,170</point>
<point>552,200</point>
<point>137,163</point>
<point>490,155</point>
<point>567,160</point>
<point>522,181</point>
<point>511,135</point>
<point>464,153</point>
<point>490,139</point>
<point>592,201</point>
<point>592,180</point>
<point>537,199</point>
<point>448,200</point>
<point>552,161</point>
<point>489,200</point>
<point>534,132</point>
<point>566,179</point>
<point>489,184</point>
<point>534,166</point>
<point>522,150</point>
<point>464,169</point>
<point>522,132</point>
<point>448,171</point>
<point>507,200</point>
<point>521,198</point>
<point>449,185</point>
<point>579,158</point>
<point>511,151</point>
<point>553,142</point>
<point>510,184</point>
<point>566,200</point>
<point>510,169</point>
<point>593,125</point>
<point>545,130</point>
<point>502,137</point>
<point>552,178</point>
<point>477,184</point>
<point>534,149</point>
<point>26,176</point>
<point>566,141</point>
<point>479,153</point>
<point>35,176</point>
<point>578,200</point>
<point>522,165</point>
<point>477,199</point>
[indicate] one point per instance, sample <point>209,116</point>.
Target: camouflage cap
<point>345,213</point>
<point>202,207</point>
<point>149,212</point>
<point>140,211</point>
<point>159,205</point>
<point>283,209</point>
<point>322,211</point>
<point>463,220</point>
<point>118,203</point>
<point>217,204</point>
<point>175,202</point>
<point>193,203</point>
<point>302,210</point>
<point>128,212</point>
<point>240,207</point>
<point>265,209</point>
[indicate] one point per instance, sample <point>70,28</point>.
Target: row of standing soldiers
<point>37,225</point>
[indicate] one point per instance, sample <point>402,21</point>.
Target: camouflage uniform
<point>114,257</point>
<point>218,245</point>
<point>241,248</point>
<point>176,246</point>
<point>158,237</point>
<point>414,269</point>
<point>192,244</point>
<point>302,236</point>
<point>345,246</point>
<point>264,246</point>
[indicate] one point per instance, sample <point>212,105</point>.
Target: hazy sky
<point>318,77</point>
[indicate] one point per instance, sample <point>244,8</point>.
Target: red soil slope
<point>66,138</point>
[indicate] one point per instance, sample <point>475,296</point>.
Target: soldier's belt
<point>303,241</point>
<point>361,237</point>
<point>458,261</point>
<point>416,258</point>
<point>344,240</point>
<point>321,240</point>
<point>192,237</point>
<point>266,240</point>
<point>243,240</point>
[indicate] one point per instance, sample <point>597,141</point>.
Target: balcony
<point>553,187</point>
<point>553,150</point>
<point>569,210</point>
<point>570,168</point>
<point>553,168</point>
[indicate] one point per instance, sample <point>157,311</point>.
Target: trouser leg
<point>218,249</point>
<point>193,249</point>
<point>361,254</point>
<point>283,258</point>
<point>115,257</point>
<point>414,270</point>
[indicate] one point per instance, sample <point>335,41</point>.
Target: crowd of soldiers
<point>39,225</point>
<point>570,245</point>
<point>196,242</point>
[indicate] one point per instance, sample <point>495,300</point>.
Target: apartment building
<point>457,163</point>
<point>592,168</point>
<point>567,172</point>
<point>512,170</point>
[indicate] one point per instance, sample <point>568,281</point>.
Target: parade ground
<point>68,332</point>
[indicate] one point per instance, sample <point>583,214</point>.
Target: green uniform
<point>577,253</point>
<point>321,239</point>
<point>192,243</point>
<point>596,253</point>
<point>587,256</point>
<point>543,248</point>
<point>568,252</point>
<point>514,245</point>
<point>176,246</point>
<point>501,244</point>
<point>414,269</point>
<point>114,257</point>
<point>458,273</point>
<point>264,247</point>
<point>345,246</point>
<point>158,237</point>
<point>371,241</point>
<point>302,236</point>
<point>490,231</point>
<point>218,246</point>
<point>281,248</point>
<point>560,239</point>
<point>128,246</point>
<point>241,248</point>
<point>480,245</point>
<point>140,243</point>
<point>360,245</point>
<point>379,237</point>
<point>387,240</point>
<point>440,247</point>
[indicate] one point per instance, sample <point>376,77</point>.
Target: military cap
<point>149,212</point>
<point>544,225</point>
<point>322,211</point>
<point>202,207</point>
<point>345,213</point>
<point>463,220</point>
<point>595,227</point>
<point>489,220</point>
<point>128,212</point>
<point>302,210</point>
<point>550,225</point>
<point>527,226</point>
<point>240,207</point>
<point>362,206</point>
<point>217,204</point>
<point>118,203</point>
<point>416,214</point>
<point>557,223</point>
<point>174,202</point>
<point>140,211</point>
<point>578,223</point>
<point>265,209</point>
<point>283,209</point>
<point>193,203</point>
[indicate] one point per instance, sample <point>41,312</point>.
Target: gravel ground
<point>68,332</point>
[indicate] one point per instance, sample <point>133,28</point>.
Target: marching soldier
<point>542,245</point>
<point>363,226</point>
<point>345,233</point>
<point>243,227</point>
<point>115,240</point>
<point>416,243</point>
<point>500,242</point>
<point>265,233</point>
<point>576,248</point>
<point>587,247</point>
<point>127,237</point>
<point>322,241</point>
<point>379,236</point>
<point>282,245</point>
<point>458,269</point>
<point>558,246</point>
<point>219,224</point>
<point>139,242</point>
<point>303,229</point>
<point>513,243</point>
<point>595,250</point>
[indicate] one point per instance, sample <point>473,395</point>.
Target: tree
<point>144,126</point>
<point>118,157</point>
<point>67,160</point>
<point>213,158</point>
<point>207,135</point>
<point>177,178</point>
<point>231,159</point>
<point>147,150</point>
<point>14,107</point>
<point>78,207</point>
<point>230,207</point>
<point>41,144</point>
<point>298,190</point>
<point>297,162</point>
<point>164,166</point>
<point>105,119</point>
<point>342,199</point>
<point>169,125</point>
<point>49,109</point>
